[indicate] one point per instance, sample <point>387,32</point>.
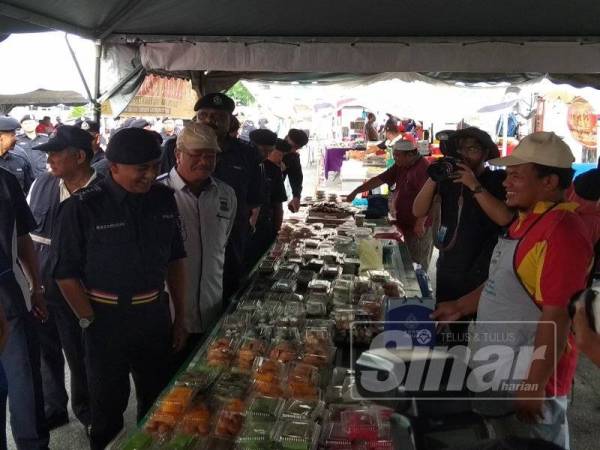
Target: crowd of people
<point>123,270</point>
<point>123,258</point>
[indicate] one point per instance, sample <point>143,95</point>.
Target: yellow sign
<point>582,122</point>
<point>160,96</point>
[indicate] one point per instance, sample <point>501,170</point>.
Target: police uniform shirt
<point>274,189</point>
<point>116,241</point>
<point>206,223</point>
<point>238,166</point>
<point>15,220</point>
<point>19,167</point>
<point>293,170</point>
<point>37,158</point>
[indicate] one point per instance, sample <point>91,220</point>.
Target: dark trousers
<point>21,362</point>
<point>3,398</point>
<point>123,340</point>
<point>62,332</point>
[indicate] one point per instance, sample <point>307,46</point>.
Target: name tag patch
<point>110,226</point>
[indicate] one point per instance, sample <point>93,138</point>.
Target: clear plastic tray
<point>295,435</point>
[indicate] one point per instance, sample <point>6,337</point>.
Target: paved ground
<point>584,411</point>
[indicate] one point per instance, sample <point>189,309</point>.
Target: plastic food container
<point>309,410</point>
<point>315,264</point>
<point>360,424</point>
<point>334,437</point>
<point>393,288</point>
<point>351,266</point>
<point>264,408</point>
<point>197,420</point>
<point>311,243</point>
<point>256,435</point>
<point>379,276</point>
<point>230,419</point>
<point>319,286</point>
<point>181,441</point>
<point>330,272</point>
<point>316,309</point>
<point>303,279</point>
<point>362,285</point>
<point>231,385</point>
<point>286,285</point>
<point>221,352</point>
<point>268,266</point>
<point>169,410</point>
<point>284,351</point>
<point>295,435</point>
<point>268,377</point>
<point>198,376</point>
<point>250,349</point>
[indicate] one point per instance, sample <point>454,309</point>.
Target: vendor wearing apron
<point>541,262</point>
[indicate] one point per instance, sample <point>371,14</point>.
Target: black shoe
<point>57,421</point>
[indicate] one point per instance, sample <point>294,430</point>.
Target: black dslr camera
<point>443,169</point>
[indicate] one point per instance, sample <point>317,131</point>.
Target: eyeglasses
<point>472,149</point>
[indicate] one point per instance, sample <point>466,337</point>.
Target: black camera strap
<point>452,243</point>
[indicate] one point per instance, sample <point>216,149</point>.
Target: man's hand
<point>466,176</point>
<point>38,306</point>
<point>419,227</point>
<point>294,204</point>
<point>528,405</point>
<point>179,335</point>
<point>447,312</point>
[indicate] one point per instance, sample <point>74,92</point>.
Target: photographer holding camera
<point>472,211</point>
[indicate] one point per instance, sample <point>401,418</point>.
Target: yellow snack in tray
<point>196,421</point>
<point>220,353</point>
<point>170,409</point>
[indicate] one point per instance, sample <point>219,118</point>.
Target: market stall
<point>276,370</point>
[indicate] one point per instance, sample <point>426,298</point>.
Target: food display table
<point>275,372</point>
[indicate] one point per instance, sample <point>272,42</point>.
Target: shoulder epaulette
<point>91,191</point>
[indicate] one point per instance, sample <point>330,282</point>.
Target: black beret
<point>88,125</point>
<point>587,185</point>
<point>8,124</point>
<point>133,146</point>
<point>298,137</point>
<point>68,136</point>
<point>283,146</point>
<point>481,136</point>
<point>263,137</point>
<point>215,101</point>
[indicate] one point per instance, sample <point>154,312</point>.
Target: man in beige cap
<point>540,263</point>
<point>207,207</point>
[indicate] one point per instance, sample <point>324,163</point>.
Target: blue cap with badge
<point>7,123</point>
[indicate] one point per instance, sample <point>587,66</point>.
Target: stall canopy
<point>453,40</point>
<point>41,97</point>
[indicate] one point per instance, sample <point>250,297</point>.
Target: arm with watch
<point>73,291</point>
<point>493,207</point>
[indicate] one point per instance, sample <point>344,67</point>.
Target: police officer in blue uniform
<point>94,129</point>
<point>117,243</point>
<point>29,139</point>
<point>69,153</point>
<point>21,356</point>
<point>238,166</point>
<point>271,213</point>
<point>10,160</point>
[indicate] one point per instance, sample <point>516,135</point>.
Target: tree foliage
<point>241,95</point>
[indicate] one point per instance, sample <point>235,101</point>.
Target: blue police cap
<point>7,123</point>
<point>133,146</point>
<point>215,101</point>
<point>68,136</point>
<point>298,137</point>
<point>263,137</point>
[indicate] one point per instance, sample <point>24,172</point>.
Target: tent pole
<point>83,80</point>
<point>97,105</point>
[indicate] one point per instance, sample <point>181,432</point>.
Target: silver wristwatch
<point>85,322</point>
